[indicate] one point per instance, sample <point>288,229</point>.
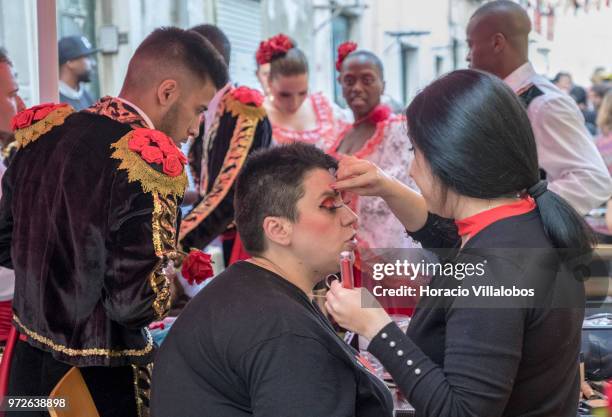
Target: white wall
<point>582,42</point>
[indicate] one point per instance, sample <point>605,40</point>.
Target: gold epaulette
<point>31,124</point>
<point>246,102</point>
<point>160,181</point>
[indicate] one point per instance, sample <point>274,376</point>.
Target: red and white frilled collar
<point>471,226</point>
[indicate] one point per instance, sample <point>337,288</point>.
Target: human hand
<point>361,177</point>
<point>345,306</point>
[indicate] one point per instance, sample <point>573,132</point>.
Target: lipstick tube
<point>346,269</point>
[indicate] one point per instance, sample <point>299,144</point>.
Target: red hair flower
<point>197,267</point>
<point>247,95</point>
<point>343,51</point>
<point>273,47</point>
<point>157,148</point>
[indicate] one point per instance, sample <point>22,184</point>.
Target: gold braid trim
<point>239,109</point>
<point>85,352</point>
<point>142,388</point>
<point>238,150</point>
<point>139,170</point>
<point>31,133</point>
<point>6,151</point>
<point>164,236</point>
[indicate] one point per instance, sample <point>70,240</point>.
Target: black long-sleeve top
<point>464,356</point>
<point>253,344</point>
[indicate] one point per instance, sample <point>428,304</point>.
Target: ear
<point>168,92</point>
<point>278,230</point>
<point>384,85</point>
<point>499,42</point>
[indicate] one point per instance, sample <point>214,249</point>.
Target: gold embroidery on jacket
<point>139,170</point>
<point>164,238</point>
<point>238,109</point>
<point>238,150</point>
<point>88,351</point>
<point>142,388</point>
<point>30,134</point>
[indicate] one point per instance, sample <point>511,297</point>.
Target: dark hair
<point>579,94</point>
<point>270,184</point>
<point>369,56</point>
<point>171,49</point>
<point>559,75</point>
<point>218,39</point>
<point>476,136</point>
<point>294,62</point>
<point>4,57</point>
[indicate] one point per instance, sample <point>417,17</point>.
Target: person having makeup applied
<point>253,342</point>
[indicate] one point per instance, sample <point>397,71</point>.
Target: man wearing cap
<point>75,68</point>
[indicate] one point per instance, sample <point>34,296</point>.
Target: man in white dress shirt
<point>498,41</point>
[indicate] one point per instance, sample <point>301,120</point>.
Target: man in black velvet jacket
<point>236,127</point>
<point>88,219</point>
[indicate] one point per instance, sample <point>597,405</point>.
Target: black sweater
<point>466,356</point>
<point>252,344</point>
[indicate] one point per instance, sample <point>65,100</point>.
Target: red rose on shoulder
<point>246,95</point>
<point>22,119</point>
<point>158,137</point>
<point>42,110</point>
<point>343,51</point>
<point>138,141</point>
<point>197,267</point>
<point>152,154</point>
<point>172,166</point>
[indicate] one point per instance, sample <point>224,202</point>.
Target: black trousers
<point>36,372</point>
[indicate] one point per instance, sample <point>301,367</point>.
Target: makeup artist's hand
<point>345,306</point>
<point>362,177</point>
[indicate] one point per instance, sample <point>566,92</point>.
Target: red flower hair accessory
<point>32,115</point>
<point>273,47</point>
<point>156,148</point>
<point>343,51</point>
<point>247,96</point>
<point>197,267</point>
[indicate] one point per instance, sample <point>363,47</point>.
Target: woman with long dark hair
<point>465,353</point>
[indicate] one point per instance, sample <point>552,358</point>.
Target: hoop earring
<point>333,277</point>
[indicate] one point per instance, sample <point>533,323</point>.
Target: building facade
<point>417,40</point>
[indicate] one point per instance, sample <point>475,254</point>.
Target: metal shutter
<point>241,22</point>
